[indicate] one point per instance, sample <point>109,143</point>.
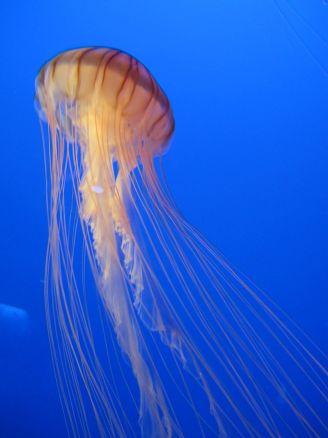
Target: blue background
<point>247,166</point>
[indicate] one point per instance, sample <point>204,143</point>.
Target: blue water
<point>248,84</point>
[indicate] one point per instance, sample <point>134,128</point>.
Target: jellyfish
<point>191,330</point>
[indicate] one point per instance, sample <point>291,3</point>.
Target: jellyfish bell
<point>110,91</point>
<point>161,284</point>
